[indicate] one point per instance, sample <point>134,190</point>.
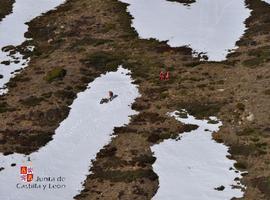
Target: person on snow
<point>110,95</point>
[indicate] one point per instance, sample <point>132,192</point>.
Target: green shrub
<point>240,106</point>
<point>240,165</point>
<point>102,60</point>
<point>3,107</point>
<point>31,101</point>
<point>55,74</point>
<point>125,176</point>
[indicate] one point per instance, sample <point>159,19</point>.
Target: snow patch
<point>206,26</point>
<point>192,167</point>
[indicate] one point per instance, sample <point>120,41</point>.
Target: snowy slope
<point>80,136</point>
<point>12,30</point>
<point>207,26</point>
<point>191,168</point>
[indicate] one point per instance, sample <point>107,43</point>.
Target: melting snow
<point>12,30</point>
<point>210,26</point>
<point>77,140</point>
<point>194,166</point>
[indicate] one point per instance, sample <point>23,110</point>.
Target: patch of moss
<point>31,101</point>
<point>253,62</point>
<point>103,60</point>
<point>193,64</point>
<point>240,106</point>
<point>189,127</point>
<point>142,160</point>
<point>244,150</point>
<point>246,131</point>
<point>124,176</point>
<point>263,184</point>
<point>55,74</point>
<point>240,165</point>
<point>182,114</point>
<point>185,2</point>
<point>89,41</point>
<point>212,121</point>
<point>4,107</point>
<point>267,92</point>
<point>65,94</point>
<point>263,53</point>
<point>5,8</point>
<point>201,110</point>
<point>40,139</point>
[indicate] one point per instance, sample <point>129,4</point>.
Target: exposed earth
<point>6,8</point>
<point>82,39</point>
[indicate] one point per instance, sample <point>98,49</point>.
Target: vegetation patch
<point>201,110</point>
<point>253,62</point>
<point>55,74</point>
<point>5,8</point>
<point>89,41</point>
<point>267,92</point>
<point>4,107</point>
<point>240,165</point>
<point>244,150</point>
<point>240,106</point>
<point>246,131</point>
<point>31,101</point>
<point>125,176</point>
<point>103,61</point>
<point>263,184</point>
<point>145,159</point>
<point>189,127</point>
<point>185,2</point>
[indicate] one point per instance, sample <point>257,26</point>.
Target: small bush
<point>102,60</point>
<point>240,106</point>
<point>31,101</point>
<point>267,92</point>
<point>125,176</point>
<point>240,165</point>
<point>55,74</point>
<point>4,107</point>
<point>253,62</point>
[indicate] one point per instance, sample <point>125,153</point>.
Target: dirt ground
<point>5,8</point>
<point>82,39</point>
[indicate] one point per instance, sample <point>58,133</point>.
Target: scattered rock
<point>8,48</point>
<point>6,62</point>
<point>50,41</point>
<point>250,117</point>
<point>7,153</point>
<point>221,90</point>
<point>220,188</point>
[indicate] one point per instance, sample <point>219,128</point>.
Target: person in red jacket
<point>161,75</point>
<point>110,95</point>
<point>167,76</point>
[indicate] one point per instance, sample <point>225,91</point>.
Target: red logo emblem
<point>26,174</point>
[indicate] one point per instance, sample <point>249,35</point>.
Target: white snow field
<point>206,26</point>
<point>76,142</point>
<point>12,29</point>
<point>192,167</point>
